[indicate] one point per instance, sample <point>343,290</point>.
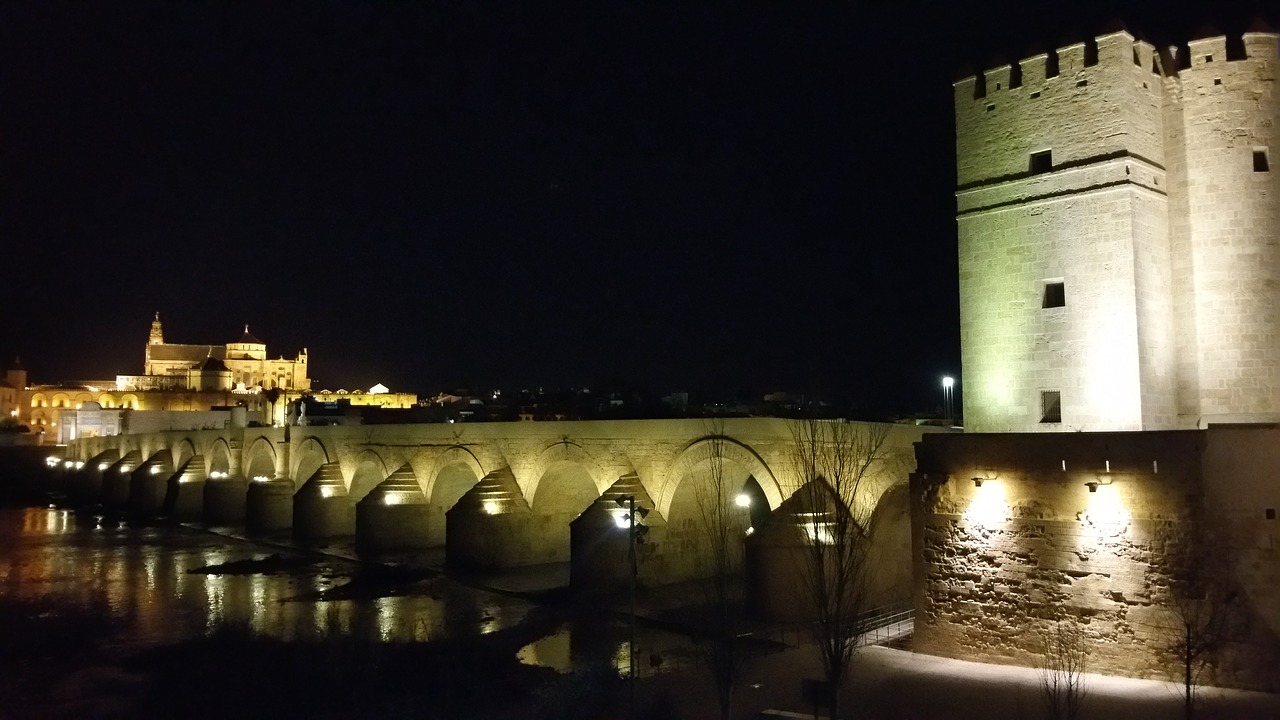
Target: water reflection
<point>163,585</point>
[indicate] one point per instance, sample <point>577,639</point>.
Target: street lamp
<point>948,383</point>
<point>635,534</point>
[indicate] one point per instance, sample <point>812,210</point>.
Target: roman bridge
<point>492,494</point>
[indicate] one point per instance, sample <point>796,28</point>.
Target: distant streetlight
<point>948,385</point>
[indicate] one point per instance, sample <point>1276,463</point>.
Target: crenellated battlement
<point>1117,205</point>
<point>1083,61</point>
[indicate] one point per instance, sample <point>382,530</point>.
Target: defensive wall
<point>1013,531</point>
<point>1118,207</point>
<point>491,494</point>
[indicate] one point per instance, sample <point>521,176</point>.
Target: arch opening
<point>565,489</point>
<point>451,483</point>
<point>716,494</point>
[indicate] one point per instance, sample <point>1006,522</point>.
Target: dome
<point>213,364</point>
<point>247,338</point>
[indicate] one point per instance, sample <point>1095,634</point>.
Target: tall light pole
<point>635,534</point>
<point>948,383</point>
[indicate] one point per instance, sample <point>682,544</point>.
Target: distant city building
<point>169,365</point>
<point>1119,237</point>
<point>378,395</point>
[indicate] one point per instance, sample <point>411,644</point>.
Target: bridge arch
<point>370,470</point>
<point>701,451</point>
<point>260,460</point>
<point>183,451</point>
<point>219,456</point>
<point>310,454</point>
<point>558,462</point>
<point>455,471</point>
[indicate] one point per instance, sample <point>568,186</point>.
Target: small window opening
<point>979,86</point>
<point>1217,81</point>
<point>1042,162</point>
<point>1081,83</point>
<point>1260,163</point>
<point>1271,513</point>
<point>1137,56</point>
<point>991,107</point>
<point>1208,58</point>
<point>1035,95</point>
<point>1015,76</point>
<point>1144,86</point>
<point>1055,294</point>
<point>1051,65</point>
<point>1051,406</point>
<point>997,86</point>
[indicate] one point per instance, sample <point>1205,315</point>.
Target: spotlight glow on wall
<point>491,507</point>
<point>1106,514</point>
<point>988,507</point>
<point>742,500</point>
<point>261,478</point>
<point>155,469</point>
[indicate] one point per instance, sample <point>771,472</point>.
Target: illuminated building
<point>1118,210</point>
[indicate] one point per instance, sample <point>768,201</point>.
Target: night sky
<point>723,199</point>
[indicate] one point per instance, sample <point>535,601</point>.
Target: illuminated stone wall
<point>1146,208</point>
<point>555,469</point>
<point>1229,109</point>
<point>995,563</point>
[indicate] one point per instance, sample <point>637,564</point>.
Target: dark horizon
<point>439,197</point>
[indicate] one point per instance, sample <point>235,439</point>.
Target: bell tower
<point>155,338</point>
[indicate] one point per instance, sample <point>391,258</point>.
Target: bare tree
<point>1063,663</point>
<point>837,466</point>
<point>1201,602</point>
<point>723,524</point>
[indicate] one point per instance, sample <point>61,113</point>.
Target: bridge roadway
<point>493,494</point>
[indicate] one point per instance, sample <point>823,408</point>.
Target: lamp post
<point>634,536</point>
<point>948,383</point>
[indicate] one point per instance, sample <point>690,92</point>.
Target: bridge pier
<point>269,505</point>
<point>147,484</point>
<point>490,526</point>
<point>322,508</point>
<point>599,545</point>
<point>115,481</point>
<point>85,487</point>
<point>184,496</point>
<point>394,515</point>
<point>224,499</point>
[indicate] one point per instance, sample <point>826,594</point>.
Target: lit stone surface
<point>995,563</point>
<point>1150,214</point>
<point>538,477</point>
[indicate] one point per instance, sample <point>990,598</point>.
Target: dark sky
<point>728,198</point>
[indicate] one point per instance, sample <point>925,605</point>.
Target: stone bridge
<point>492,494</point>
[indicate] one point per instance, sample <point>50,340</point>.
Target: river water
<point>169,583</point>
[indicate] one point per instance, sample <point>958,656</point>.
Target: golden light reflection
<point>386,618</point>
<point>988,507</point>
<point>622,658</point>
<point>258,609</point>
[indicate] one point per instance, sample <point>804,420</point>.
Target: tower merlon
<point>1262,45</point>
<point>1208,50</point>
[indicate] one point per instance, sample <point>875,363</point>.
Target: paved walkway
<point>896,684</point>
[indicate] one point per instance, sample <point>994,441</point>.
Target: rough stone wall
<point>995,564</point>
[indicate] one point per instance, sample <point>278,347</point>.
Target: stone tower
<point>1118,228</point>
